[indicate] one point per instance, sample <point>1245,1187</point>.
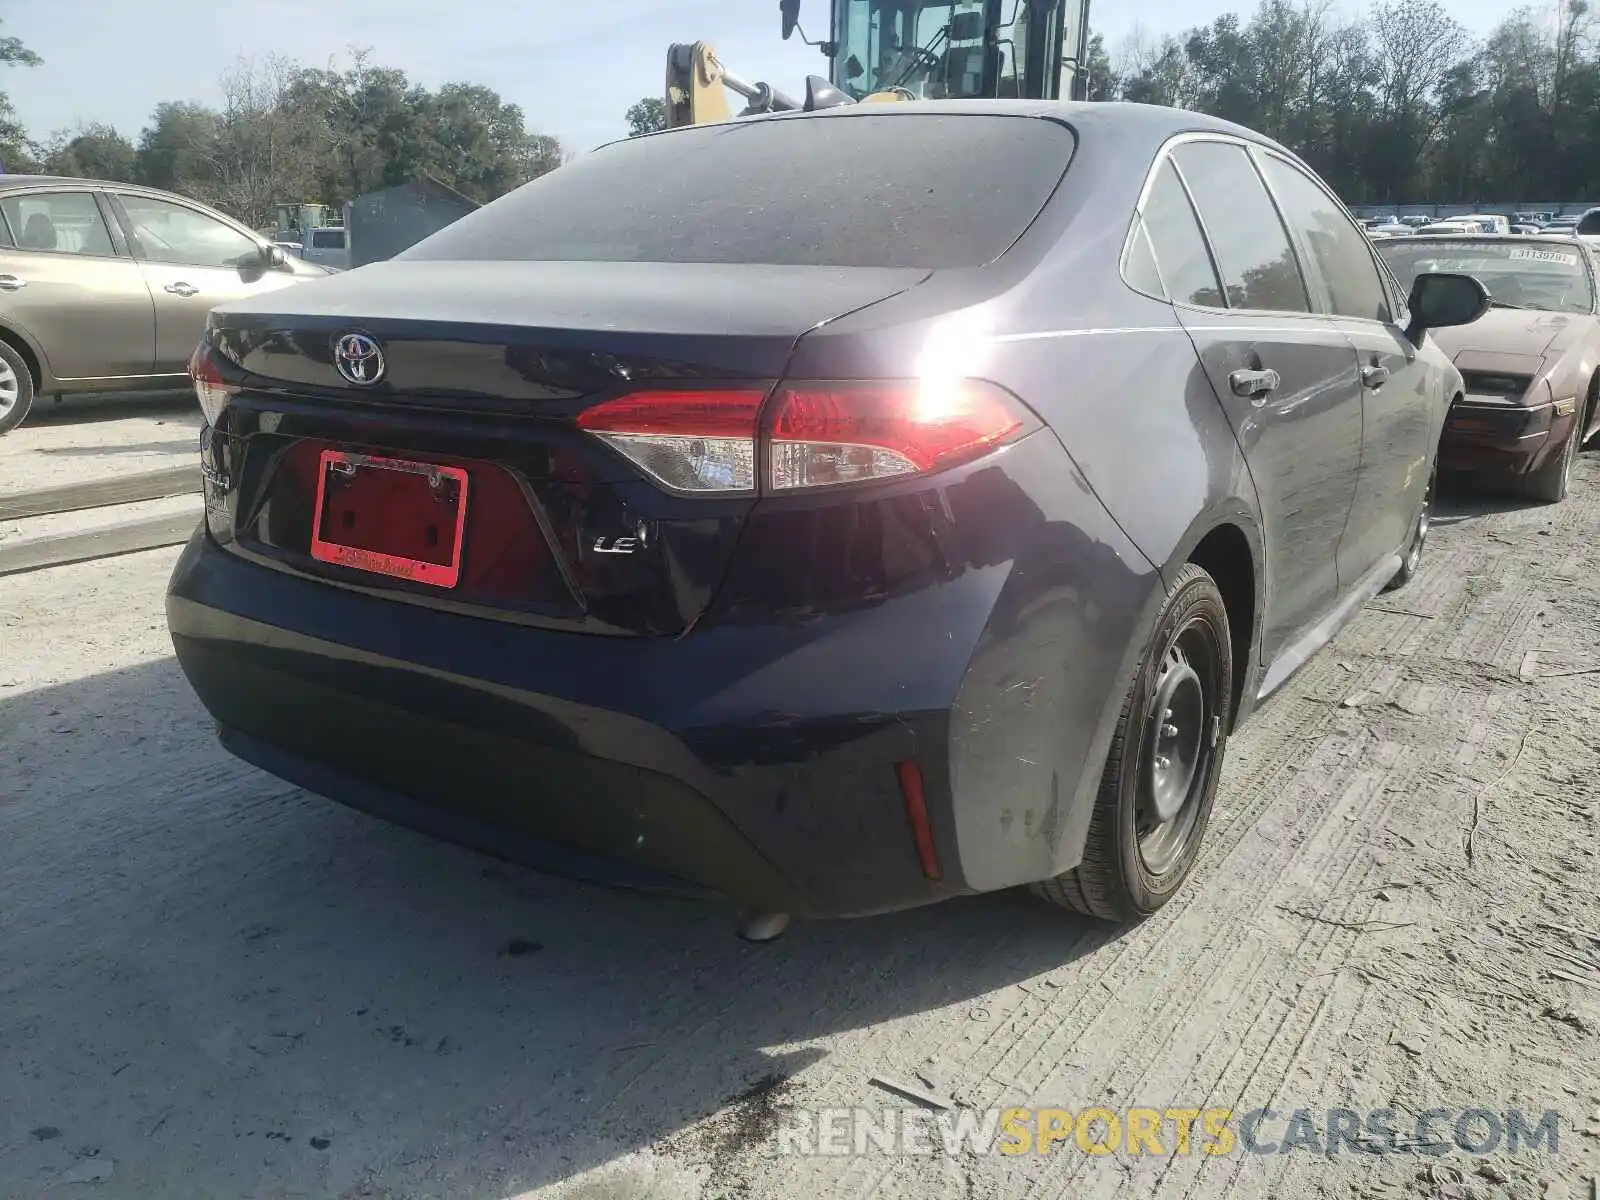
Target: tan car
<point>1531,364</point>
<point>105,287</point>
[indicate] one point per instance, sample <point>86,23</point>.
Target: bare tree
<point>1574,43</point>
<point>1417,43</point>
<point>1520,54</point>
<point>1137,52</point>
<point>263,152</point>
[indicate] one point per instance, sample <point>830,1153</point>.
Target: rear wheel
<point>1166,756</point>
<point>16,389</point>
<point>1549,483</point>
<point>1412,562</point>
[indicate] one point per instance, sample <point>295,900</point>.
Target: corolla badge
<point>358,358</point>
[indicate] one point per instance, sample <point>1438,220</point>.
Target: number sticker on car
<point>1563,257</point>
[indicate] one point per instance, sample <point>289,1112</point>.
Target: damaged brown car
<point>1531,365</point>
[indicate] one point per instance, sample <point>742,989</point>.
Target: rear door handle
<point>182,289</point>
<point>1374,377</point>
<point>10,283</point>
<point>1254,385</point>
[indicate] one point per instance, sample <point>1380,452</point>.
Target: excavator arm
<point>698,86</point>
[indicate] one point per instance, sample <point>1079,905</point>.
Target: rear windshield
<point>908,190</point>
<point>327,239</point>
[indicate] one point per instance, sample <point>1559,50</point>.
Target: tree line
<point>1397,104</point>
<point>1400,104</point>
<point>289,133</point>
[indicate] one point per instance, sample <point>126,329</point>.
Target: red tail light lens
<point>208,386</point>
<point>851,432</point>
<point>702,441</point>
<point>819,434</point>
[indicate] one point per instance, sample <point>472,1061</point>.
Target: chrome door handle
<point>182,289</point>
<point>1254,385</point>
<point>1374,376</point>
<point>10,283</point>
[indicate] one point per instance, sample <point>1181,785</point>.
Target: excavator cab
<point>884,50</point>
<point>954,49</point>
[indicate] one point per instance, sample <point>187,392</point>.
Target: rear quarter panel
<point>1571,363</point>
<point>1572,367</point>
<point>1148,466</point>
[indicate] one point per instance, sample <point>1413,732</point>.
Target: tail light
<point>830,433</point>
<point>688,441</point>
<point>818,434</point>
<point>213,393</point>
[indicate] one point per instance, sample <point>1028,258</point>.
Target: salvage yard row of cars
<point>701,517</point>
<point>1530,367</point>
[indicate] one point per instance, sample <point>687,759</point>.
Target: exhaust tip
<point>762,926</point>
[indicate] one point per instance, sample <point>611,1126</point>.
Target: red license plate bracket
<point>390,516</point>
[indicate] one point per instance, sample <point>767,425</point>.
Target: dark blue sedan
<point>836,512</point>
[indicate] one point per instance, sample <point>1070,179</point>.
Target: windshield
<point>905,190</point>
<point>932,48</point>
<point>1549,276</point>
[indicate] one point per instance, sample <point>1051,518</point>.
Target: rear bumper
<point>754,757</point>
<point>450,725</point>
<point>451,824</point>
<point>1497,439</point>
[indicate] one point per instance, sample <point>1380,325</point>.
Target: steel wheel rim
<point>1175,760</point>
<point>1424,523</point>
<point>10,387</point>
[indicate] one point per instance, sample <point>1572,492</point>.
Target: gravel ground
<point>215,985</point>
<point>21,533</point>
<point>91,437</point>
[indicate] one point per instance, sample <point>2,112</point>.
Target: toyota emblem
<point>358,358</point>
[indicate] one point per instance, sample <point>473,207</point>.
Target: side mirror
<point>791,16</point>
<point>1440,300</point>
<point>273,257</point>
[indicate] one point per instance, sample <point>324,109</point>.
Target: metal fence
<point>1569,208</point>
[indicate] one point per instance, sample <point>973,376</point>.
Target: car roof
<point>1150,123</point>
<point>12,183</point>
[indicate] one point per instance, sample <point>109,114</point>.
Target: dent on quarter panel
<point>1027,726</point>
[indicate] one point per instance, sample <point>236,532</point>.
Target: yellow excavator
<point>892,50</point>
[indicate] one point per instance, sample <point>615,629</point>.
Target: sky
<point>573,65</point>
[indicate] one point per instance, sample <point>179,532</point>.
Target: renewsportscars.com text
<point>843,1132</point>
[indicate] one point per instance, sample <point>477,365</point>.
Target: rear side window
<point>1343,253</point>
<point>1258,265</point>
<point>1139,264</point>
<point>65,222</point>
<point>913,190</point>
<point>1180,249</point>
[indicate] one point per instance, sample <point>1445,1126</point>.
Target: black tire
<point>1412,562</point>
<point>16,389</point>
<point>1548,484</point>
<point>1120,879</point>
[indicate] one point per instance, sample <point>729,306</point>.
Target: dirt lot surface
<point>215,985</point>
<point>96,437</point>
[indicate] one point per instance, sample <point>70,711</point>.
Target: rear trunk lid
<point>485,367</point>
